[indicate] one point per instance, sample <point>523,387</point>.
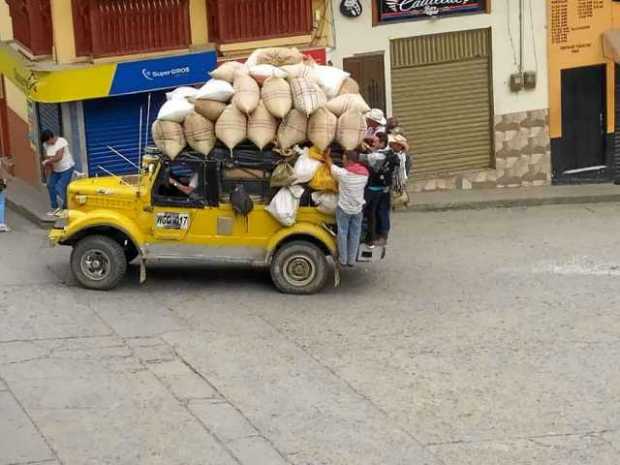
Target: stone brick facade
<point>522,157</point>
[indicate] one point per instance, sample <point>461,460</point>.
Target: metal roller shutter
<point>441,92</point>
<point>115,122</point>
<point>48,117</point>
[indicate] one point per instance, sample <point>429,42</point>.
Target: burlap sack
<point>283,175</point>
<point>296,71</point>
<point>292,129</point>
<point>262,126</point>
<point>247,93</point>
<point>276,94</point>
<point>307,96</point>
<point>168,137</point>
<point>279,56</point>
<point>347,102</point>
<point>351,130</point>
<point>349,86</point>
<point>210,109</point>
<point>226,71</point>
<point>322,127</point>
<point>231,128</point>
<point>199,133</point>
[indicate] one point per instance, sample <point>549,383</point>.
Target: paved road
<point>487,337</point>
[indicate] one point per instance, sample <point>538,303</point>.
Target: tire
<point>98,262</point>
<point>299,267</point>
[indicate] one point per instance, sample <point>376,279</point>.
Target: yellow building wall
<point>64,37</point>
<point>16,100</point>
<point>6,27</point>
<point>575,40</point>
<point>198,22</point>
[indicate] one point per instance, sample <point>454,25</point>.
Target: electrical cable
<point>533,36</point>
<point>510,37</point>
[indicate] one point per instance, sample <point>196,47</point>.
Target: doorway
<point>583,147</point>
<point>369,72</point>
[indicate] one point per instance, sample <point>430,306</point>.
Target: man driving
<point>186,189</point>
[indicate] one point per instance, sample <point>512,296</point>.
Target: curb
<point>29,215</point>
<point>512,203</point>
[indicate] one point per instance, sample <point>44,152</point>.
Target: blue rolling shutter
<point>115,122</point>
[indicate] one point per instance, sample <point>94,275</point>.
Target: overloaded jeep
<point>112,221</point>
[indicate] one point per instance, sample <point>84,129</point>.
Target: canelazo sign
<point>390,10</point>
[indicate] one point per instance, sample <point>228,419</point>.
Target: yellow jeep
<point>112,220</point>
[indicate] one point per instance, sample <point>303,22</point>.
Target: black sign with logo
<point>351,8</point>
<point>393,10</point>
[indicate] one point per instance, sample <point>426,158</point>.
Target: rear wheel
<point>299,268</point>
<point>98,262</point>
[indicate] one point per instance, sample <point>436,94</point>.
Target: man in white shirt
<point>59,166</point>
<point>352,181</point>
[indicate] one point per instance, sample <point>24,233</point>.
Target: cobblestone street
<point>486,337</point>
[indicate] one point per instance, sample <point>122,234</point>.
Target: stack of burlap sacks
<point>277,97</point>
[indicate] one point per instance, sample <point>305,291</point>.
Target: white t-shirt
<point>66,162</point>
<point>351,190</point>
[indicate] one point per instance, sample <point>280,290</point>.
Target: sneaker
<point>59,212</point>
<point>52,213</point>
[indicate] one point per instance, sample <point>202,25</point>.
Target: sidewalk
<point>33,204</point>
<point>29,202</point>
<point>514,197</point>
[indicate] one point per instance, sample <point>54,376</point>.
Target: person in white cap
<point>375,120</point>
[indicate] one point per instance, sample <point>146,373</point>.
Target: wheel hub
<point>95,264</point>
<point>299,270</point>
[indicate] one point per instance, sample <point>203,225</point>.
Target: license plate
<point>172,221</point>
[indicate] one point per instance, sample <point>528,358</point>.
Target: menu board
<point>577,24</point>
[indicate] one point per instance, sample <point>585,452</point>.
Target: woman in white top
<point>59,166</point>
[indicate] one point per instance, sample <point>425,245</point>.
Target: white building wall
<point>354,36</point>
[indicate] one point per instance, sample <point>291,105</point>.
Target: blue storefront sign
<point>163,73</point>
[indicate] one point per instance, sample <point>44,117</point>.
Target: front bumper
<point>56,236</point>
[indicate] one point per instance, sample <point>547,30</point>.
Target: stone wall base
<point>522,157</point>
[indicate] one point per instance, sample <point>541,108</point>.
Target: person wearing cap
<point>399,145</point>
<point>375,121</point>
<point>384,165</point>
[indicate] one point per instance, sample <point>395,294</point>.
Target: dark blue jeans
<point>378,206</point>
<point>57,187</point>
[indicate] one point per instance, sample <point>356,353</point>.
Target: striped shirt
<point>351,186</point>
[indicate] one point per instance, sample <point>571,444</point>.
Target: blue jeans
<point>57,187</point>
<point>349,233</point>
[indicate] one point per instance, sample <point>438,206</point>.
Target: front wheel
<point>98,262</point>
<point>299,268</point>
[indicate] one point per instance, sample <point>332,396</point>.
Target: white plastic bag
<point>305,168</point>
<point>182,92</point>
<point>327,202</point>
<point>216,89</point>
<point>261,72</point>
<point>175,110</point>
<point>330,79</point>
<point>284,206</point>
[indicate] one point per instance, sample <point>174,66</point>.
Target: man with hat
<point>399,145</point>
<point>375,120</point>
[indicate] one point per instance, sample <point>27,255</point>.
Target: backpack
<point>241,202</point>
<point>383,175</point>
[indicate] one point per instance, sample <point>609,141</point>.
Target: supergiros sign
<point>390,10</point>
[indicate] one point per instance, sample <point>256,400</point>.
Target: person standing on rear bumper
<point>59,166</point>
<point>352,181</point>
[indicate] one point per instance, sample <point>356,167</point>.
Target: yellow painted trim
<point>64,34</point>
<point>55,86</point>
<point>198,22</point>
